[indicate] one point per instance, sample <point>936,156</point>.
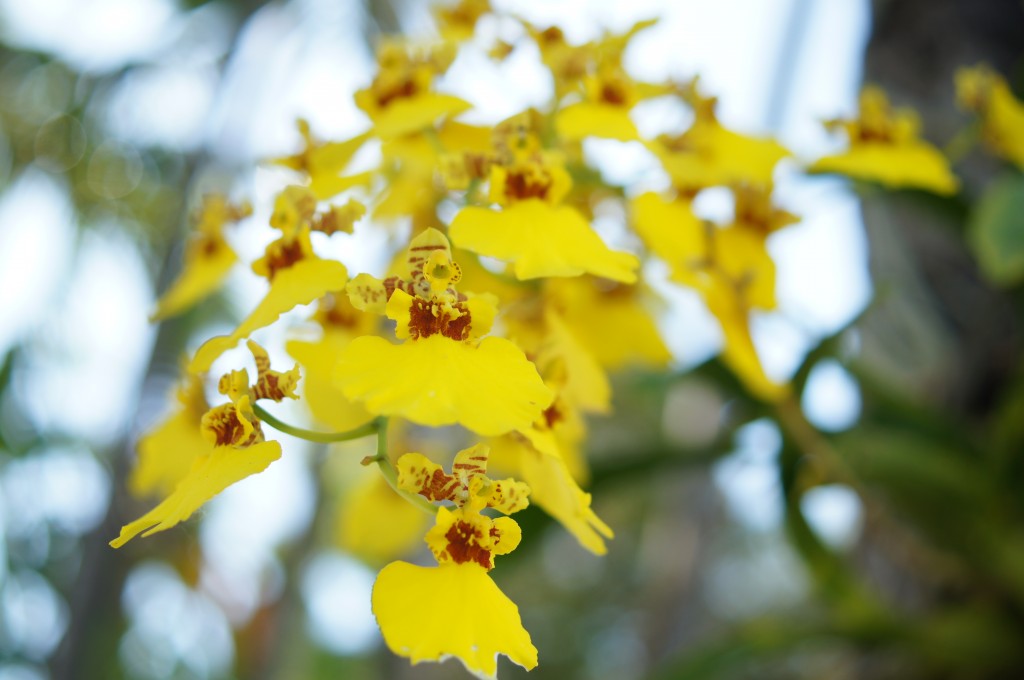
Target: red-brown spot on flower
<point>439,487</point>
<point>228,429</point>
<point>614,93</point>
<point>522,184</point>
<point>464,545</point>
<point>402,90</point>
<point>552,415</point>
<point>282,254</point>
<point>428,318</point>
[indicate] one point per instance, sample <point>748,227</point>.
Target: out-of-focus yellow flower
<point>410,602</point>
<point>756,212</point>
<point>592,307</point>
<point>670,229</point>
<point>885,147</point>
<point>731,268</point>
<point>442,373</point>
<point>323,162</point>
<point>739,352</point>
<point>410,167</point>
<point>399,101</point>
<point>554,490</point>
<point>236,447</point>
<point>375,524</point>
<point>208,257</point>
<point>985,92</point>
<point>166,453</point>
<point>604,112</point>
<point>341,322</point>
<point>457,22</point>
<point>709,154</point>
<point>532,230</point>
<point>297,277</point>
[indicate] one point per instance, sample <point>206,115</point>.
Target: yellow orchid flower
<point>590,306</point>
<point>604,111</point>
<point>731,268</point>
<point>236,447</point>
<point>885,147</point>
<point>375,524</point>
<point>755,211</point>
<point>554,490</point>
<point>409,166</point>
<point>709,154</point>
<point>985,92</point>
<point>167,452</point>
<point>442,373</point>
<point>399,101</point>
<point>558,353</point>
<point>739,352</point>
<point>341,322</point>
<point>457,22</point>
<point>208,258</point>
<point>407,599</point>
<point>297,277</point>
<point>323,162</point>
<point>532,230</point>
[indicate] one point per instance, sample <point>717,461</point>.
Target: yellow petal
<point>670,229</point>
<point>327,186</point>
<point>326,402</point>
<point>553,488</point>
<point>742,255</point>
<point>489,389</point>
<point>432,613</point>
<point>590,311</point>
<point>202,274</point>
<point>585,383</point>
<point>739,353</point>
<point>412,114</point>
<point>300,284</point>
<point>166,455</point>
<point>332,157</point>
<point>910,165</point>
<point>210,474</point>
<point>541,240</point>
<point>714,156</point>
<point>377,525</point>
<point>591,119</point>
<point>1004,124</point>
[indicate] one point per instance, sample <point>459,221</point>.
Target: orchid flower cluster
<point>507,321</point>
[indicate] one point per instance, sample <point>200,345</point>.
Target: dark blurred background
<point>736,555</point>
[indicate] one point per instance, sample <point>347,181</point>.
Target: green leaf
<point>996,231</point>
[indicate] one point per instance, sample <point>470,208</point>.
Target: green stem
<point>372,427</point>
<point>812,443</point>
<point>387,469</point>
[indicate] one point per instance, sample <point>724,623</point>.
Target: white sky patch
<point>244,526</point>
<point>822,279</point>
<point>67,488</point>
<point>836,513</point>
<point>749,477</point>
<point>95,35</point>
<point>172,626</point>
<point>34,615</point>
<point>336,590</point>
<point>83,377</point>
<point>36,238</point>
<point>164,106</point>
<point>831,398</point>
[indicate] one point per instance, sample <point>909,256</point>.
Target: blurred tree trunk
<point>938,330</point>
